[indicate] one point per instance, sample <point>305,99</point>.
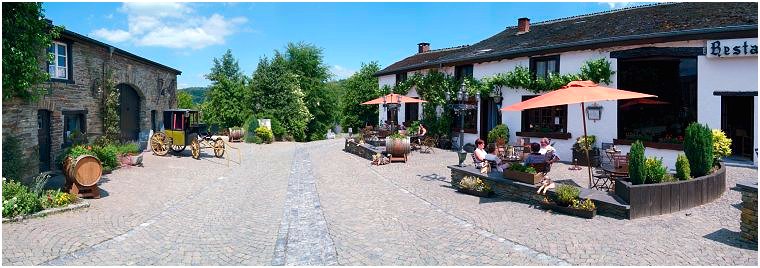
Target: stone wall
<point>749,209</point>
<point>89,63</point>
<point>359,149</point>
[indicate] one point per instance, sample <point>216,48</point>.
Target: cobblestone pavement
<point>175,210</point>
<point>312,203</point>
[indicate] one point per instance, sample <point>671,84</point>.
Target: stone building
<point>73,97</point>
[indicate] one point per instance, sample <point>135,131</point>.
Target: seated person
<point>495,160</point>
<point>548,151</point>
<point>422,130</point>
<point>480,154</point>
<point>535,157</point>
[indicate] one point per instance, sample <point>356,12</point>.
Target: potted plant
<point>522,173</point>
<point>567,201</point>
<point>586,144</point>
<point>500,131</point>
<point>398,146</point>
<point>474,186</point>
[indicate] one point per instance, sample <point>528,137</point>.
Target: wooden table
<point>616,172</point>
<point>610,153</point>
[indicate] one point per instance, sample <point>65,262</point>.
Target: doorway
<point>737,115</point>
<point>490,116</point>
<point>129,112</point>
<point>43,138</point>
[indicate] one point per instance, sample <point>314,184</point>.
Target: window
<point>541,67</point>
<point>400,77</point>
<point>470,117</point>
<point>58,68</point>
<point>544,120</point>
<point>74,127</point>
<point>460,72</point>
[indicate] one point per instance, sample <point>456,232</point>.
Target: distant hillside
<point>198,93</point>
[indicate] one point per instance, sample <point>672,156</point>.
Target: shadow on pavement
<point>730,238</point>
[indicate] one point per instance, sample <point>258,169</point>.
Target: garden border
<point>50,211</point>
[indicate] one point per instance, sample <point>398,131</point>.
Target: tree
<point>276,93</point>
<point>26,34</point>
<point>184,100</point>
<point>305,60</point>
<point>227,97</point>
<point>360,87</point>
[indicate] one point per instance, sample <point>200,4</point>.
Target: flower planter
<point>580,155</point>
<point>588,214</point>
<point>475,193</point>
<point>523,177</point>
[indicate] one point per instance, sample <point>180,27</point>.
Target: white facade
<point>713,74</point>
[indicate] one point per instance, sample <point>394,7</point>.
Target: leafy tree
<point>275,92</point>
<point>184,100</point>
<point>227,97</point>
<point>26,34</point>
<point>198,94</point>
<point>360,87</point>
<point>305,60</point>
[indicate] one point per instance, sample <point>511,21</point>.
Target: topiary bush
<point>698,146</point>
<point>655,172</point>
<point>264,134</point>
<point>500,131</point>
<point>721,145</point>
<point>683,172</point>
<point>636,168</point>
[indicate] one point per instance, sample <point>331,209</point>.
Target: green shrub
<point>13,160</point>
<point>500,131</point>
<point>264,134</point>
<point>566,194</point>
<point>683,172</point>
<point>279,131</point>
<point>636,168</point>
<point>396,136</point>
<point>655,172</point>
<point>127,148</point>
<point>108,156</point>
<point>18,199</point>
<point>414,128</point>
<point>585,143</point>
<point>721,144</point>
<point>699,149</point>
<point>522,168</point>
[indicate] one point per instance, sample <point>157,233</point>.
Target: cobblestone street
<point>313,204</point>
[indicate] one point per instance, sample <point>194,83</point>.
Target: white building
<point>700,59</point>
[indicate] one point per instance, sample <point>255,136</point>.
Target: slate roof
<point>636,25</point>
<point>423,58</point>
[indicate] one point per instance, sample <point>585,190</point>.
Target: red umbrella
<point>577,92</point>
<point>631,103</point>
<point>393,98</point>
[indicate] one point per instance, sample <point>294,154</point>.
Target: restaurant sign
<point>732,48</point>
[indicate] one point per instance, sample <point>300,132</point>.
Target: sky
<point>188,36</point>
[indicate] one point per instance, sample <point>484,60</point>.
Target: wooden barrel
<point>236,134</point>
<point>397,147</point>
<point>85,170</point>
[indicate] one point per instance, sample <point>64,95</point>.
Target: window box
<point>551,135</point>
<point>649,144</point>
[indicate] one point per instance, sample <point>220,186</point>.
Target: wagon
<point>182,127</point>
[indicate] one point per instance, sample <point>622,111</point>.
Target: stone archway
<point>129,112</point>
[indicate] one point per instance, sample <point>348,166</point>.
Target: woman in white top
<point>480,153</point>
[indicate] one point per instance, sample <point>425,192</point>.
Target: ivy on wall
<point>110,108</point>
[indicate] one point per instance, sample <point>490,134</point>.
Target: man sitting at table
<point>535,157</point>
<point>548,151</point>
<point>494,159</point>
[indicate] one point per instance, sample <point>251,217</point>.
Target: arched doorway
<point>129,112</point>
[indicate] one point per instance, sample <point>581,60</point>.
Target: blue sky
<point>187,36</point>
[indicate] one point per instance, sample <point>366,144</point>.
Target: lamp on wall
<point>497,98</point>
<point>594,112</point>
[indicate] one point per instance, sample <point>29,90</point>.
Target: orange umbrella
<point>393,98</point>
<point>631,103</point>
<point>577,92</point>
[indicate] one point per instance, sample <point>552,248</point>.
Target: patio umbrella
<point>632,103</point>
<point>577,92</point>
<point>393,98</point>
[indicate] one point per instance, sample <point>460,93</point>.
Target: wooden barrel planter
<point>398,148</point>
<point>236,134</point>
<point>82,175</point>
<point>668,197</point>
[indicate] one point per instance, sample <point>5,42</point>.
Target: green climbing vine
<point>110,108</point>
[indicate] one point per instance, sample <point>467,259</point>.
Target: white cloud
<point>616,5</point>
<point>172,25</point>
<point>340,72</point>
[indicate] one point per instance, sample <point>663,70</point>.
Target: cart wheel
<point>195,149</point>
<point>158,144</point>
<point>218,145</point>
<point>177,148</point>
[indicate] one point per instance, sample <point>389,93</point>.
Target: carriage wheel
<point>218,147</point>
<point>158,144</point>
<point>195,149</point>
<point>177,148</point>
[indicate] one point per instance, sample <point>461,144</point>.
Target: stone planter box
<point>583,161</point>
<point>668,197</point>
<point>475,193</point>
<point>569,210</point>
<point>523,177</point>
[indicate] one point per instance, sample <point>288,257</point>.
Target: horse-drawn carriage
<point>182,127</point>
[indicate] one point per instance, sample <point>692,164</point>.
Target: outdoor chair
<point>606,146</point>
<point>540,167</point>
<point>428,143</point>
<point>620,161</point>
<point>601,180</point>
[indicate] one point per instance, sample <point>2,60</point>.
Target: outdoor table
<point>615,172</point>
<point>611,153</point>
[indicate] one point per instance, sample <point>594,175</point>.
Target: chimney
<point>423,47</point>
<point>523,25</point>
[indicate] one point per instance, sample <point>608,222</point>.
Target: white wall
<point>724,74</point>
<point>385,80</point>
